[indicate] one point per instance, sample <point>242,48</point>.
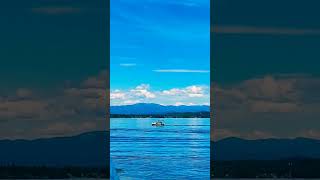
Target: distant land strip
<point>203,114</point>
<point>50,172</point>
<point>286,169</point>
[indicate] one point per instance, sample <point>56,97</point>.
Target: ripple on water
<point>179,150</point>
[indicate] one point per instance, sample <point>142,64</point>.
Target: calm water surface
<point>179,150</point>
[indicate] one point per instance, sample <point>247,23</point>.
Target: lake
<point>178,150</point>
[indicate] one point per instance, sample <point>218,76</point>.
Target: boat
<point>158,123</point>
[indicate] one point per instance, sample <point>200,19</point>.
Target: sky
<point>45,43</point>
<point>160,52</point>
<point>265,68</point>
<point>54,67</point>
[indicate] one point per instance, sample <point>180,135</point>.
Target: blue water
<point>179,150</point>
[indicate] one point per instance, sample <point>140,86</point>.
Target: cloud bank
<point>180,71</point>
<point>271,106</point>
<point>31,113</point>
<point>190,95</point>
<point>240,29</point>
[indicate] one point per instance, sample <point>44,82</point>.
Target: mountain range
<point>265,149</point>
<point>85,150</point>
<point>91,150</point>
<point>150,108</point>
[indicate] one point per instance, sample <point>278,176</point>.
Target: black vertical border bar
<point>211,90</point>
<point>108,90</point>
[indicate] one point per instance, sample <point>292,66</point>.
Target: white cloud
<point>190,91</point>
<point>23,109</point>
<point>143,91</point>
<point>128,102</point>
<point>128,64</point>
<point>57,10</point>
<point>195,91</point>
<point>190,95</point>
<point>24,93</point>
<point>173,92</point>
<point>251,30</point>
<point>290,101</point>
<point>182,103</point>
<point>117,94</point>
<point>180,71</point>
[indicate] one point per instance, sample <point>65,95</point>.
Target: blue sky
<point>159,46</point>
<point>265,71</point>
<point>55,45</point>
<point>54,59</point>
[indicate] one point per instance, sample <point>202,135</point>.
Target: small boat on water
<point>158,123</point>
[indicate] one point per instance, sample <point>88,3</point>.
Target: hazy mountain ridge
<point>91,149</point>
<point>87,149</point>
<point>265,149</point>
<point>150,108</point>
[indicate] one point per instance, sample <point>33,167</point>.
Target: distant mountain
<point>149,108</point>
<point>91,150</point>
<point>265,149</point>
<point>88,149</point>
